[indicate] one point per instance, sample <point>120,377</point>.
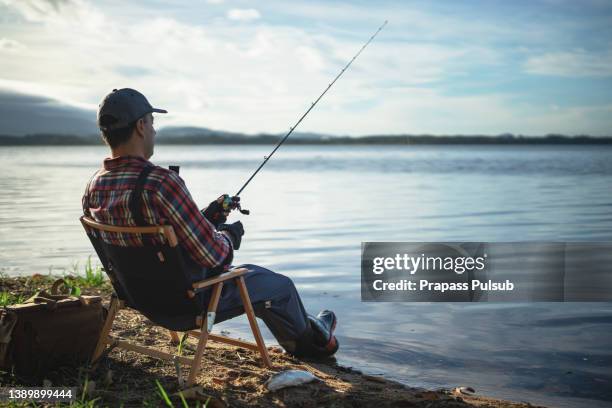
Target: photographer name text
<point>425,285</point>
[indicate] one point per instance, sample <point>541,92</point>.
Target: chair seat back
<point>151,278</point>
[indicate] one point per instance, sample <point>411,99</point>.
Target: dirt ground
<point>230,376</point>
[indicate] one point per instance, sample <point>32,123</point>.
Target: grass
<point>163,394</point>
<point>166,399</point>
<point>92,277</point>
<point>7,298</point>
<point>181,343</point>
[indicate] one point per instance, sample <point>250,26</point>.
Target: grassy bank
<point>230,376</point>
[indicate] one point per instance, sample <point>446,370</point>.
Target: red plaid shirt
<point>165,201</point>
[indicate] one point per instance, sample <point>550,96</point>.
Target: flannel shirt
<point>165,201</point>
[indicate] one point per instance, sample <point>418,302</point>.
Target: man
<point>126,122</point>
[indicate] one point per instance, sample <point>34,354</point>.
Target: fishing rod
<point>232,203</point>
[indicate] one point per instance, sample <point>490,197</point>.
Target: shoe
<point>332,346</point>
<point>323,326</point>
<point>307,347</point>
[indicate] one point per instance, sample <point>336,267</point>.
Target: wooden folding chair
<point>152,280</point>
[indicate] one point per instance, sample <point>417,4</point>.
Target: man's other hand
<point>235,231</point>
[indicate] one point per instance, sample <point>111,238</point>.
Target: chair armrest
<point>234,273</point>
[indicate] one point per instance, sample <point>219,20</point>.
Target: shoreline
<point>239,139</point>
<point>230,376</point>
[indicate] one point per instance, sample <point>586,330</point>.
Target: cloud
<point>261,77</point>
<point>77,18</point>
<point>38,11</point>
<point>8,45</point>
<point>35,10</point>
<point>571,64</point>
<point>53,91</point>
<point>133,71</point>
<point>576,120</point>
<point>243,14</point>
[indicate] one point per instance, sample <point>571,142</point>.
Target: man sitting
<point>126,122</point>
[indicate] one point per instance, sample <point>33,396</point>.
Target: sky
<point>439,67</point>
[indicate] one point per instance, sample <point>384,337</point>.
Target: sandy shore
<point>230,376</point>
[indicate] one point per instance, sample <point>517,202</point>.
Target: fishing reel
<point>218,210</point>
<point>231,203</point>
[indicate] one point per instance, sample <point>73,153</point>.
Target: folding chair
<point>152,280</point>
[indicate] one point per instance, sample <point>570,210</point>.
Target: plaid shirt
<point>165,201</point>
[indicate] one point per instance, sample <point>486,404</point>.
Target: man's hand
<point>215,213</point>
<point>235,232</point>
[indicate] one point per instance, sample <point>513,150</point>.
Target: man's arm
<point>85,204</point>
<point>85,198</point>
<point>195,233</point>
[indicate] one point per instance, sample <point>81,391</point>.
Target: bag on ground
<point>49,331</point>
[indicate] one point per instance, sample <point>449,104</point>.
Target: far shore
<point>227,138</point>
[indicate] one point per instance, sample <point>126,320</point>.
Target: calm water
<point>313,206</point>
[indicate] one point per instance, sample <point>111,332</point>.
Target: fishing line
<point>292,128</point>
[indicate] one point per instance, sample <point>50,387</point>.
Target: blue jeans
<point>275,300</point>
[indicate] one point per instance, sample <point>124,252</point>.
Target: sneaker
<point>332,346</point>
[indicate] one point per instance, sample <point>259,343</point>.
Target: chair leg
<point>248,308</point>
<point>114,307</point>
<point>174,338</point>
<point>212,309</point>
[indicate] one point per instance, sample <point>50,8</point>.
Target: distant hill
<point>199,136</point>
<point>173,134</point>
<point>26,114</point>
<point>36,120</point>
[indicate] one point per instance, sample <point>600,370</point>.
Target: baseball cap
<point>123,106</point>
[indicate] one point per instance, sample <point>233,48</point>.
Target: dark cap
<point>122,107</point>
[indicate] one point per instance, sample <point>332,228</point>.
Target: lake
<point>312,206</point>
